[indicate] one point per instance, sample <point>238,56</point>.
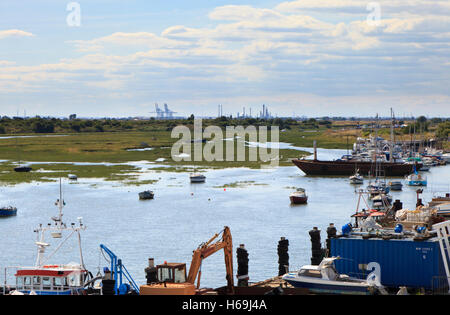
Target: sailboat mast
<point>391,151</point>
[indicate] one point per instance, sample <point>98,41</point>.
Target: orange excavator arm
<point>207,249</point>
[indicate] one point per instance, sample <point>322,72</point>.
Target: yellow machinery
<point>172,278</point>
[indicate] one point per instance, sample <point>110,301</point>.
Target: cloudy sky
<point>300,57</point>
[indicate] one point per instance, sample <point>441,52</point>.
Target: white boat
<point>324,278</point>
<point>356,178</point>
<point>416,180</point>
<point>446,157</point>
<point>197,178</point>
<point>53,279</point>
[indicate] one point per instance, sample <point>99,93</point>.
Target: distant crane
<point>165,113</point>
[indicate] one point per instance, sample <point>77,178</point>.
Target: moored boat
<point>324,278</point>
<point>53,279</point>
<point>395,185</point>
<point>299,196</point>
<point>416,180</point>
<point>22,169</point>
<point>146,195</point>
<point>356,178</point>
<point>8,211</point>
<point>197,178</point>
<point>316,167</point>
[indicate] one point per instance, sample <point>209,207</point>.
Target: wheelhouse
<point>50,280</point>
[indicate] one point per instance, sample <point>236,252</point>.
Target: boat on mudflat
<point>347,168</point>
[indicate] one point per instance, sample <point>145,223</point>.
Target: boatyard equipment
<point>172,278</point>
<point>118,272</point>
<point>283,256</point>
<point>242,271</point>
<point>316,247</point>
<point>443,234</point>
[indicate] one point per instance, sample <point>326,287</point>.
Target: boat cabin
<point>50,280</point>
<point>325,270</point>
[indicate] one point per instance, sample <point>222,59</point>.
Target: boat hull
<point>22,169</point>
<point>339,168</point>
<point>329,287</point>
<point>198,179</point>
<point>298,200</point>
<point>146,195</point>
<point>8,212</point>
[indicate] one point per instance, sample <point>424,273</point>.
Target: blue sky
<point>302,57</point>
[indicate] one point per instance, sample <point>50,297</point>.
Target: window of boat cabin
<point>59,282</point>
<point>27,282</point>
<point>310,273</point>
<point>46,283</point>
<point>19,282</point>
<point>36,282</point>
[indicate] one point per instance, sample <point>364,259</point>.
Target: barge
<point>347,168</point>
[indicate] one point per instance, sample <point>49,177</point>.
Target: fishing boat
<point>356,178</point>
<point>46,278</point>
<point>146,195</point>
<point>197,178</point>
<point>395,185</point>
<point>416,180</point>
<point>8,211</point>
<point>324,278</point>
<point>299,196</point>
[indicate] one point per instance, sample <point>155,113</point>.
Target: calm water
<point>183,215</point>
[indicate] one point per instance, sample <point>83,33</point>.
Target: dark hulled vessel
<point>327,168</point>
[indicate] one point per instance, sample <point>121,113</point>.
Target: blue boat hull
<point>7,213</point>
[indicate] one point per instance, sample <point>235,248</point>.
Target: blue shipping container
<point>402,262</point>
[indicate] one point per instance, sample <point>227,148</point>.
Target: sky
<point>99,58</point>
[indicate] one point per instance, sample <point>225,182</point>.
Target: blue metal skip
<point>402,262</point>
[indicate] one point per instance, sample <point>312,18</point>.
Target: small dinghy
<point>356,178</point>
<point>197,178</point>
<point>395,185</point>
<point>299,196</point>
<point>22,169</point>
<point>8,211</point>
<point>146,195</point>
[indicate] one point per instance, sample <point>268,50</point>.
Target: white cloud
<point>286,50</point>
<point>14,33</point>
